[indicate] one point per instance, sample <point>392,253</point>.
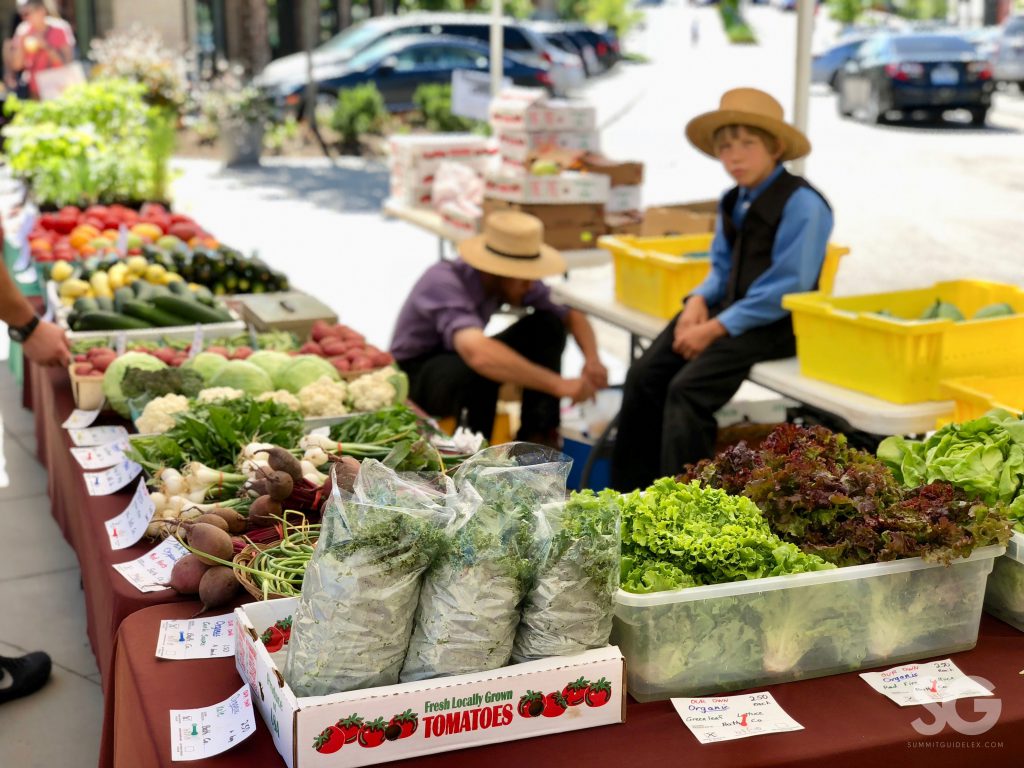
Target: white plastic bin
<point>1004,596</point>
<point>726,637</point>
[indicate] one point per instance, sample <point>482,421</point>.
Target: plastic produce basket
<point>653,274</point>
<point>845,341</point>
<point>973,397</point>
<point>1004,596</point>
<point>727,637</point>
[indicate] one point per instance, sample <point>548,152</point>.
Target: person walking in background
<point>45,344</point>
<point>42,41</point>
<point>694,32</point>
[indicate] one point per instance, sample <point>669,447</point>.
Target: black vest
<point>752,244</point>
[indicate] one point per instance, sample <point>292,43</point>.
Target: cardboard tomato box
<point>567,187</point>
<point>378,725</point>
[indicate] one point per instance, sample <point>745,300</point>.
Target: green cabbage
<point>270,361</point>
<point>303,370</point>
<point>245,376</point>
<point>206,364</point>
<point>115,374</point>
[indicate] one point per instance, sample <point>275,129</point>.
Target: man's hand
<point>693,340</point>
<point>578,389</point>
<point>595,372</point>
<point>47,345</point>
<point>695,312</point>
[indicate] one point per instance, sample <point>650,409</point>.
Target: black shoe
<point>29,672</point>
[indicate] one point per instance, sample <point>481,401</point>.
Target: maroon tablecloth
<point>846,723</point>
<point>109,598</point>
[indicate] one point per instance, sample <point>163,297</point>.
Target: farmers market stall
<point>846,724</point>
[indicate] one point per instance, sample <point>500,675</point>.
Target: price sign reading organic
<point>931,683</point>
<point>100,456</point>
<point>130,526</point>
<point>97,435</point>
<point>199,733</point>
<point>152,571</point>
<point>80,419</point>
<point>209,638</point>
<point>108,481</point>
<point>724,718</point>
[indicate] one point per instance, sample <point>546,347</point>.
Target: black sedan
<point>909,73</point>
<point>400,65</point>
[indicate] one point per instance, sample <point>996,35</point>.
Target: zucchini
<point>192,311</point>
<point>179,288</point>
<point>85,304</point>
<point>204,295</point>
<point>158,290</point>
<point>141,289</point>
<point>121,295</point>
<point>109,321</point>
<point>105,304</point>
<point>150,314</point>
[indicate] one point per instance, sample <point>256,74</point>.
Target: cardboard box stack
<point>684,219</point>
<point>415,161</point>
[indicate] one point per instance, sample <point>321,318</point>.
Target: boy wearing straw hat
<point>770,240</point>
<point>455,369</point>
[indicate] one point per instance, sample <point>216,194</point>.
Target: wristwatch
<point>21,333</point>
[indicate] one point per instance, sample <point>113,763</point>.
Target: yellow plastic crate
<point>975,396</point>
<point>653,274</point>
<point>843,341</point>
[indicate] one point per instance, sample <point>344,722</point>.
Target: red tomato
<point>331,739</point>
<point>554,704</point>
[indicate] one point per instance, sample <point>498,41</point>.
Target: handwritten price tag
<point>197,342</point>
<point>80,419</point>
<point>100,456</point>
<point>97,435</point>
<point>151,572</point>
<point>931,683</point>
<point>108,481</point>
<point>128,527</point>
<point>199,733</point>
<point>209,638</point>
<point>120,343</point>
<point>724,718</point>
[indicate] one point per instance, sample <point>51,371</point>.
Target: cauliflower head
<point>282,397</point>
<point>324,397</point>
<point>158,415</point>
<point>213,394</point>
<point>373,391</point>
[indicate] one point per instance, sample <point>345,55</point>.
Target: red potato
<point>311,348</point>
<point>222,351</point>
<point>332,347</point>
<point>320,331</point>
<point>83,369</point>
<point>241,353</point>
<point>381,359</point>
<point>361,363</point>
<point>80,358</point>
<point>341,364</point>
<point>102,363</point>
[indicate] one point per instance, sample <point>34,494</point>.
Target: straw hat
<point>747,106</point>
<point>512,245</point>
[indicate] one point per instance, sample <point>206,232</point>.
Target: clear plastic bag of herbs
<point>471,597</point>
<point>359,595</point>
<point>569,608</point>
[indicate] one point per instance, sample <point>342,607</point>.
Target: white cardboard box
<point>567,187</point>
<point>452,712</point>
<point>422,154</point>
<point>624,198</point>
<point>542,115</point>
<point>460,221</point>
<point>517,145</point>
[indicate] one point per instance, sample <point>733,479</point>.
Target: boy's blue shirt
<point>797,256</point>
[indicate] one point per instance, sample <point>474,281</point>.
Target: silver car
<point>1008,59</point>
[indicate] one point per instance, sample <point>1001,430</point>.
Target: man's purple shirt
<point>448,297</point>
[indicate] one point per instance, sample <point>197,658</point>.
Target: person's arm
<point>498,362</point>
<point>797,257</point>
<point>47,344</point>
<point>18,51</point>
<point>583,332</point>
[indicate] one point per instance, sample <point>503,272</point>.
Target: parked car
<point>527,45</point>
<point>572,41</point>
<point>985,40</point>
<point>1008,58</point>
<point>400,65</point>
<point>825,66</point>
<point>930,73</point>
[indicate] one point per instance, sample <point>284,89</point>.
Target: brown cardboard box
<point>623,174</point>
<point>624,223</point>
<point>570,215</point>
<point>685,219</point>
<point>574,237</point>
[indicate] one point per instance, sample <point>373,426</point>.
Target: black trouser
<point>668,407</point>
<point>443,385</point>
